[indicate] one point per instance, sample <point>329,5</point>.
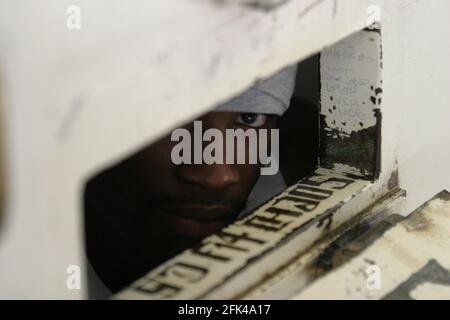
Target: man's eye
<point>252,119</point>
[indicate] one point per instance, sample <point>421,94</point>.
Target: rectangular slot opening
<point>329,155</point>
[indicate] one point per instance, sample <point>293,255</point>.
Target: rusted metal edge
<point>308,265</point>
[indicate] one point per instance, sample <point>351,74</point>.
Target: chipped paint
<point>327,253</point>
<point>351,83</point>
<point>412,253</point>
<point>345,168</point>
<point>423,284</point>
<point>351,95</point>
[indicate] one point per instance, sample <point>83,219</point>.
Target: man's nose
<point>213,176</point>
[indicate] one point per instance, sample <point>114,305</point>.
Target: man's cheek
<point>252,173</point>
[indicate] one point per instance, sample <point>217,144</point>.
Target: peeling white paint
<point>400,253</point>
<point>339,167</point>
<point>351,83</point>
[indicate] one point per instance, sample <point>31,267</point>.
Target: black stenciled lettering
<point>308,195</point>
<point>226,239</point>
<point>284,212</point>
<point>202,250</point>
<point>184,271</point>
<point>267,224</point>
<point>156,288</point>
<point>300,203</point>
<point>228,246</point>
<point>231,237</point>
<point>343,183</point>
<point>312,193</point>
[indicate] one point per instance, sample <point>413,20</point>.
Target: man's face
<point>154,208</point>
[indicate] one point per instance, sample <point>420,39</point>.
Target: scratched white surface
<point>350,79</point>
<point>399,253</point>
<point>76,101</point>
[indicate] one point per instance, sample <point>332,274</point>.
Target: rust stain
<point>393,180</point>
<point>417,223</point>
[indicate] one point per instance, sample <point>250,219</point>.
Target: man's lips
<point>197,221</point>
<point>200,212</point>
